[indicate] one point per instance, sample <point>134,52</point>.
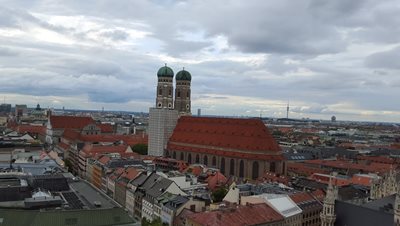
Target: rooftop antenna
<point>287,110</point>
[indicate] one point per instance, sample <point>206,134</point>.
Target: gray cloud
<point>314,53</point>
<point>384,60</point>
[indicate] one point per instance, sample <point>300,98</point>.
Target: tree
<point>219,194</point>
<point>140,149</point>
<point>155,222</point>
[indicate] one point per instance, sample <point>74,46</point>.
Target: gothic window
<point>232,167</point>
<point>205,160</point>
<point>222,165</point>
<point>272,167</point>
<point>170,91</point>
<point>179,94</point>
<point>214,161</point>
<point>241,169</point>
<point>188,94</point>
<point>160,91</point>
<point>255,170</point>
<point>197,158</point>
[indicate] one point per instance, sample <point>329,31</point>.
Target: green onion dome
<point>165,72</point>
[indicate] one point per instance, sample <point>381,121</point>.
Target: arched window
<point>174,155</point>
<point>272,167</point>
<point>182,157</point>
<point>232,167</point>
<point>189,158</point>
<point>241,169</point>
<point>222,165</point>
<point>205,160</point>
<point>214,161</point>
<point>197,158</point>
<point>179,94</point>
<point>255,170</point>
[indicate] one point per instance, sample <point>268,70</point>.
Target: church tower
<point>397,209</point>
<point>328,216</point>
<point>182,92</point>
<point>164,88</point>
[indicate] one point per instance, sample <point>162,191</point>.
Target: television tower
<point>287,110</point>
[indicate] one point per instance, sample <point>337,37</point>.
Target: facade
<point>242,148</point>
<point>165,88</point>
<point>182,93</point>
<point>5,108</point>
<point>163,118</point>
<point>310,206</point>
<point>162,122</point>
<point>328,216</point>
<point>384,186</point>
<point>56,125</point>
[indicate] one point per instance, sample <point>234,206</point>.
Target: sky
<point>247,58</point>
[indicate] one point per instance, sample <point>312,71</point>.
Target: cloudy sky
<point>246,57</point>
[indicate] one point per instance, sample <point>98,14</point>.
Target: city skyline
<point>325,58</point>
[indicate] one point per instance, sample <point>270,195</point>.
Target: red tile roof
<point>71,135</point>
<point>104,159</point>
<point>239,134</point>
<point>301,197</point>
<point>92,150</point>
<point>70,122</point>
<point>127,139</point>
<point>345,164</point>
<point>215,180</point>
<point>106,128</point>
<point>63,145</point>
<point>256,214</point>
<point>130,173</point>
<point>31,129</point>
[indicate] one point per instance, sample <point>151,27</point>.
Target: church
<point>239,147</point>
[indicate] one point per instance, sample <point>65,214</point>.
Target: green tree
<point>140,149</point>
<point>219,194</point>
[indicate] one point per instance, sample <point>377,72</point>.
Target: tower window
<point>170,92</point>
<point>188,94</point>
<point>159,91</point>
<point>179,94</point>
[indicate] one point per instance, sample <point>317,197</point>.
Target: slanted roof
<point>250,135</point>
<point>158,187</point>
<point>253,214</point>
<point>283,204</point>
<point>70,122</point>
